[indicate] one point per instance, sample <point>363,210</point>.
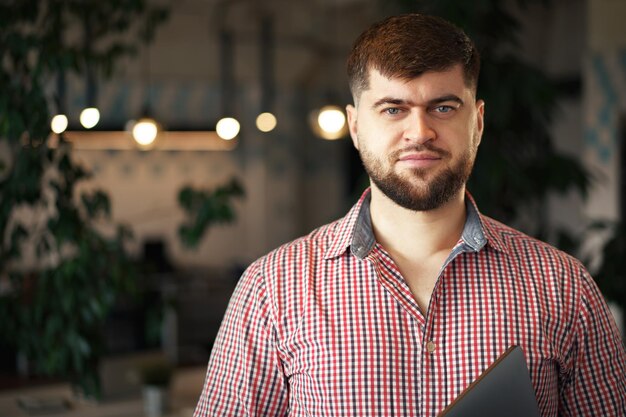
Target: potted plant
<point>156,376</point>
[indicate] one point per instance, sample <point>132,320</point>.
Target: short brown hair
<point>408,45</point>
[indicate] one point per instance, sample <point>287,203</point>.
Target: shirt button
<point>431,346</point>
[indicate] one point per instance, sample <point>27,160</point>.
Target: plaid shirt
<point>327,326</point>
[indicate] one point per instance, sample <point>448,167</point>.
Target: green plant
<point>205,208</point>
<point>54,301</point>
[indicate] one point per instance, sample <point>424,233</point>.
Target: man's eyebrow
<point>390,100</point>
<point>443,99</point>
<point>433,102</point>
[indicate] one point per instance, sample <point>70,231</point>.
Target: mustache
<point>421,148</point>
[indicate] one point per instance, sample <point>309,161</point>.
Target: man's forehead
<point>446,81</point>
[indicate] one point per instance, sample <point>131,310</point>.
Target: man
<point>396,308</point>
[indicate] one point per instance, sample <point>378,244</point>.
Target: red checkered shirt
<point>327,326</point>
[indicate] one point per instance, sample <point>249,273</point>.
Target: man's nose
<point>419,128</point>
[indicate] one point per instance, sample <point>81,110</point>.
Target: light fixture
<point>266,122</point>
<point>227,128</point>
<point>89,117</point>
<point>331,119</point>
<point>58,124</point>
<point>145,132</point>
<point>329,122</point>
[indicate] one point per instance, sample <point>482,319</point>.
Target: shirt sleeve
<point>597,382</point>
<point>244,375</point>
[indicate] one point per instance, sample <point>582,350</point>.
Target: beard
<point>413,190</point>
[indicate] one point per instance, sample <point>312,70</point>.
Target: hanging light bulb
<point>329,122</point>
<point>145,132</point>
<point>58,124</point>
<point>331,119</point>
<point>227,128</point>
<point>266,122</point>
<point>89,117</point>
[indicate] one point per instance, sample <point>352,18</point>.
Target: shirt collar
<point>480,228</point>
<point>354,231</point>
<point>355,223</point>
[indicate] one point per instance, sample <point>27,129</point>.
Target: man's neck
<point>420,234</point>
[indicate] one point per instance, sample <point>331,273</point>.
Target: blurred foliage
<point>205,209</point>
<point>54,307</point>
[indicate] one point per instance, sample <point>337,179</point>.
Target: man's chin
<point>419,183</point>
<point>417,175</point>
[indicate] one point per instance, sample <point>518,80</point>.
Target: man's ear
<point>480,119</point>
<point>352,124</point>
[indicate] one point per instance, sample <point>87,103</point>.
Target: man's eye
<point>444,109</point>
<point>392,110</point>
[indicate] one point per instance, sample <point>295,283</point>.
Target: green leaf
<point>204,208</point>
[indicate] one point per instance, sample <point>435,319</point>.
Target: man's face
<point>418,138</point>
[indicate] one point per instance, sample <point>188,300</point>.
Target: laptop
<point>504,389</point>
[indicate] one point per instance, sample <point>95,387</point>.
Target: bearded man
<point>396,308</point>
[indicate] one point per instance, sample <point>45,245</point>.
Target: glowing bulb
<point>266,122</point>
<point>89,117</point>
<point>329,122</point>
<point>227,128</point>
<point>331,119</point>
<point>145,132</point>
<point>59,123</point>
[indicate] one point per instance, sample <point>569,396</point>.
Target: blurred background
<point>211,138</point>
